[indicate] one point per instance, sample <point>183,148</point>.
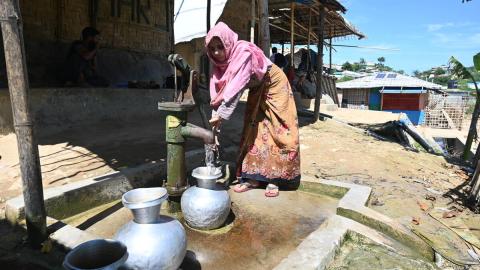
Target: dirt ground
<point>361,116</point>
<point>406,184</point>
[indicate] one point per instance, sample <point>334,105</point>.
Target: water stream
<point>211,157</point>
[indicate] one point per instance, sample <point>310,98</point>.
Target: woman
<point>269,148</point>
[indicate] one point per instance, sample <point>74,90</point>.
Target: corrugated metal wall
<point>409,102</point>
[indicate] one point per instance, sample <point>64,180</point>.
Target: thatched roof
<point>335,25</point>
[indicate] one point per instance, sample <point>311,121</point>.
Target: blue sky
<point>425,32</point>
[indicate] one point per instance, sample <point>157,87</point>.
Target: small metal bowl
<point>96,254</point>
<point>207,176</point>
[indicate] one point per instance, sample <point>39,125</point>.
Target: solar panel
<point>380,76</point>
<point>392,75</point>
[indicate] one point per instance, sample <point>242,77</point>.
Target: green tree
<point>474,196</point>
<point>363,63</point>
<point>416,73</point>
<point>356,67</point>
<point>347,66</point>
<point>439,71</point>
<point>441,80</point>
<point>381,60</point>
<point>458,70</point>
<point>345,79</point>
<point>401,71</point>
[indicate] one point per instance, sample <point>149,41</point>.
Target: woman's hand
<point>215,122</point>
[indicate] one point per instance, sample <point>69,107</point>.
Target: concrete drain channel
<point>303,229</point>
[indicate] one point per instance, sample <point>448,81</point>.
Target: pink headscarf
<point>242,60</point>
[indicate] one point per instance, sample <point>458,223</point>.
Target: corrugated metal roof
<point>387,79</point>
<point>403,91</point>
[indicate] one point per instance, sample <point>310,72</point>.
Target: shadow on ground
<point>16,254</point>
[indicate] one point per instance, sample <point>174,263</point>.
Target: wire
<point>179,9</point>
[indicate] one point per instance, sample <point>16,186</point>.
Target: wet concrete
<point>359,252</point>
<point>265,230</point>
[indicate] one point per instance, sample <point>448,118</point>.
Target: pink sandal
<point>243,187</point>
<point>271,191</point>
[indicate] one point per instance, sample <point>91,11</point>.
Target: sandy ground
<point>401,179</point>
<point>361,116</point>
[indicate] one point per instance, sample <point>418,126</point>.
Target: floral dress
<point>269,148</point>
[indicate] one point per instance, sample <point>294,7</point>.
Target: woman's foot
<point>272,191</point>
<point>246,186</point>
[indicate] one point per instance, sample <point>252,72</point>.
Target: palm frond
<point>476,61</point>
<point>458,70</point>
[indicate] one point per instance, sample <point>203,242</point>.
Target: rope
<point>11,18</point>
<point>26,124</point>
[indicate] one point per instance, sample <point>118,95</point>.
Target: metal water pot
<point>153,241</point>
<point>98,254</point>
<point>207,205</point>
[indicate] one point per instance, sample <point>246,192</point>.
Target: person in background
<point>269,148</point>
<point>81,61</point>
<point>278,58</point>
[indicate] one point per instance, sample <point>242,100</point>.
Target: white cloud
<point>458,35</point>
<point>475,39</point>
<point>434,27</point>
<point>457,40</point>
<point>438,26</point>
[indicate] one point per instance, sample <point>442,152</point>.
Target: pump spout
<point>193,131</point>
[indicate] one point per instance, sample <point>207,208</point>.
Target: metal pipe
<point>193,131</point>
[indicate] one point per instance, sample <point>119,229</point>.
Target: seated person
<point>278,58</point>
<point>80,67</point>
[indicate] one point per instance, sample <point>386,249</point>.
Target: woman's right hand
<point>215,122</point>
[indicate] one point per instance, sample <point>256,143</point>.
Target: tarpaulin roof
<point>190,18</point>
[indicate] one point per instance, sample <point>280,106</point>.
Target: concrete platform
<point>303,230</point>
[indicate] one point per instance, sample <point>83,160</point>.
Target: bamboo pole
<point>318,96</point>
<point>60,6</point>
<point>330,58</point>
<point>209,8</point>
<point>171,24</point>
<point>286,30</point>
<point>308,39</point>
<point>12,31</point>
<point>301,26</point>
<point>93,12</point>
<point>252,23</point>
<point>264,36</point>
<point>292,31</point>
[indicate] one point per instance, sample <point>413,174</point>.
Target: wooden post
<point>292,31</point>
<point>330,52</point>
<point>171,23</point>
<point>318,96</point>
<point>308,39</point>
<point>93,12</point>
<point>264,36</point>
<point>207,67</point>
<point>60,6</point>
<point>209,8</point>
<point>12,32</point>
<point>252,22</point>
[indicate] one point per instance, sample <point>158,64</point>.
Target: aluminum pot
<point>98,254</point>
<point>153,241</point>
<point>207,176</point>
<point>207,205</point>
